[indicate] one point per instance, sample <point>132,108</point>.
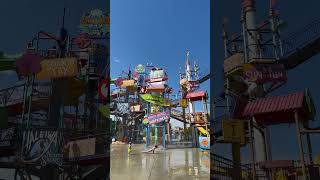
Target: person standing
<point>130,147</point>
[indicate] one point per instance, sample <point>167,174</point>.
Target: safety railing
<point>14,95</point>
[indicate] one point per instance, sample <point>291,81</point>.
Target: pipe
<point>243,22</point>
<point>249,14</point>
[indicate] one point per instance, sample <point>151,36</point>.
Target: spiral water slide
<point>202,130</point>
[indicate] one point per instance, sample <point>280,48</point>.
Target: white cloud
<point>116,59</point>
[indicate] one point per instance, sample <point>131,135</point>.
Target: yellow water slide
<point>202,130</point>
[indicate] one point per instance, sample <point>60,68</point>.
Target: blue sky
<point>159,32</point>
<point>297,15</point>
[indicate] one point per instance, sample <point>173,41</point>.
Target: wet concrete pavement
<point>171,164</point>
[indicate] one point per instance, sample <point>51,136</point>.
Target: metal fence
<point>225,169</point>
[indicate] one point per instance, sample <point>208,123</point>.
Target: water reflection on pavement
<point>171,164</point>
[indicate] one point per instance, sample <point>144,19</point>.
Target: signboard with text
<point>42,147</point>
<point>262,73</point>
<point>158,117</point>
<point>140,68</point>
<point>95,23</point>
<point>204,142</point>
<point>58,68</point>
<point>233,131</point>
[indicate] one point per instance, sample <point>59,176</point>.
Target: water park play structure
<point>143,104</point>
<point>255,64</point>
<point>54,119</point>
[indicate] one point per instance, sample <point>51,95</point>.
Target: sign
<point>58,68</point>
<point>261,73</point>
<point>204,142</point>
<point>95,23</point>
<point>233,131</point>
<point>42,146</point>
<point>7,137</point>
<point>158,117</point>
<point>83,40</point>
<point>80,148</point>
<point>140,68</point>
<point>128,83</point>
<point>104,89</point>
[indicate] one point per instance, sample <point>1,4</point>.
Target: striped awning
<point>276,109</point>
<point>275,104</point>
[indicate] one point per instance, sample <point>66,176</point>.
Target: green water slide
<point>156,100</point>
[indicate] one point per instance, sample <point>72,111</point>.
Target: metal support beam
<point>236,157</point>
<point>300,146</point>
<point>251,150</point>
<point>308,131</point>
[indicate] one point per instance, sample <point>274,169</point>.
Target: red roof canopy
<point>276,109</point>
<point>196,96</point>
